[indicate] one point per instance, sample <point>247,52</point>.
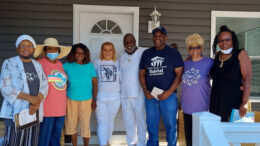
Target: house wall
<point>54,18</point>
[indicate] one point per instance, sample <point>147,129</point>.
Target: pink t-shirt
<point>55,102</point>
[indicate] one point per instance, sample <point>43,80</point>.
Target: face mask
<point>52,56</point>
<point>228,51</point>
<point>27,57</point>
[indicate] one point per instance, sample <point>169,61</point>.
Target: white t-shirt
<point>108,74</point>
<point>129,64</point>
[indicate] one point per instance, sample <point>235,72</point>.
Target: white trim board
<point>77,9</point>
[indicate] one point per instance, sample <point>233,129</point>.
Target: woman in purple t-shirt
<point>195,83</point>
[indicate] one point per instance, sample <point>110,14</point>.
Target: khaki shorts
<point>78,113</point>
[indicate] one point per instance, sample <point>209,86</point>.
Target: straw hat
<point>64,50</point>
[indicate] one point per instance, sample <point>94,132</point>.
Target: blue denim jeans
<point>50,131</point>
<point>168,109</point>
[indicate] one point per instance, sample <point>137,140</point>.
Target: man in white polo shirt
<point>132,96</point>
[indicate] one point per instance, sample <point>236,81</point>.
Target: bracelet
<point>94,99</point>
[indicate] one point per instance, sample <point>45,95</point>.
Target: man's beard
<point>131,50</point>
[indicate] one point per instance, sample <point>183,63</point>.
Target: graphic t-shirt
<point>80,80</point>
<point>160,65</point>
<point>32,78</point>
<point>108,73</point>
<point>196,85</point>
<point>55,102</point>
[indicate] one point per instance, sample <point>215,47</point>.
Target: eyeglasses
<point>80,53</point>
<point>193,48</point>
<point>226,40</point>
<point>22,46</point>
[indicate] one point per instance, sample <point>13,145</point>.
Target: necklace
<point>129,59</point>
<point>222,60</point>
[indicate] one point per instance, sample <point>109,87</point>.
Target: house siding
<point>54,18</point>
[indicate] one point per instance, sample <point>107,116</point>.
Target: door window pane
<point>106,27</point>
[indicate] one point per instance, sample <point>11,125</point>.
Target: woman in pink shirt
<point>55,103</point>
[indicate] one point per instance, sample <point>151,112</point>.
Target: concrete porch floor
<point>119,138</point>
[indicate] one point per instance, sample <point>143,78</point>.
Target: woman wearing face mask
<point>108,97</point>
<point>232,69</point>
<point>23,85</point>
<point>55,103</point>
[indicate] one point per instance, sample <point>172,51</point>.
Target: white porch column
<point>206,130</point>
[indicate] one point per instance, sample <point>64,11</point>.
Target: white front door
<point>97,28</point>
<point>94,25</point>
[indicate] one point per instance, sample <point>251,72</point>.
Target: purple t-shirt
<point>196,85</point>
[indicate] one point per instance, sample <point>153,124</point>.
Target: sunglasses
<point>193,48</point>
<point>226,40</point>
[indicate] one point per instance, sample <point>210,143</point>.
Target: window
<point>247,27</point>
<point>106,27</point>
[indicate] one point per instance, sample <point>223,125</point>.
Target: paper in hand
<point>156,91</point>
<point>25,117</point>
<point>24,120</point>
<point>235,117</point>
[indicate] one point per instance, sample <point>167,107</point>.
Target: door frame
<point>77,9</point>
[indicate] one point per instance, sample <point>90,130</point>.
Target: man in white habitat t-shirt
<point>132,95</point>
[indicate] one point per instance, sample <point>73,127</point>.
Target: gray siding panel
<point>177,13</point>
<point>38,7</point>
<point>19,22</point>
<point>36,15</point>
<point>34,30</point>
<point>55,18</point>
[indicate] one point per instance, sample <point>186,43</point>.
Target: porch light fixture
<point>155,20</point>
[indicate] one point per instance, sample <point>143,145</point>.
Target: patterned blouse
<point>13,81</point>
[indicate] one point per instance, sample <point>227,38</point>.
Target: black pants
<point>188,128</point>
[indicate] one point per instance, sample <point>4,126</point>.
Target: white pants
<point>134,116</point>
<point>106,112</point>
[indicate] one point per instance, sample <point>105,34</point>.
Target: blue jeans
<point>50,131</point>
<point>168,109</point>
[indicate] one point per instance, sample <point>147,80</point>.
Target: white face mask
<point>228,51</point>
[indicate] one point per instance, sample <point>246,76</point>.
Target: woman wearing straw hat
<point>81,92</point>
<point>23,85</point>
<point>55,103</point>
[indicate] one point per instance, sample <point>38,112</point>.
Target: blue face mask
<point>52,56</point>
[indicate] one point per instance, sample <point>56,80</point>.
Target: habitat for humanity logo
<point>157,67</point>
<point>157,61</point>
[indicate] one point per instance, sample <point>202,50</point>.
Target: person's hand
<point>242,110</point>
<point>164,95</point>
<point>35,100</point>
<point>148,94</point>
<point>93,105</point>
<point>33,109</point>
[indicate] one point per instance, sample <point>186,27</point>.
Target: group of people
<point>143,81</point>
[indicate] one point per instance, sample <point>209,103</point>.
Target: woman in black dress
<point>231,74</point>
